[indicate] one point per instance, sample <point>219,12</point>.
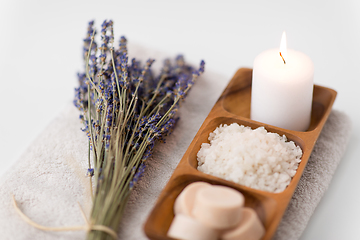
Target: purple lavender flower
<point>137,175</point>
<point>125,109</point>
<point>90,172</point>
<point>122,45</point>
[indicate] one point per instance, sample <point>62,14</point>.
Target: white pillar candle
<point>282,88</point>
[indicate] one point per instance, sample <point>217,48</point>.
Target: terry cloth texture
<point>49,179</point>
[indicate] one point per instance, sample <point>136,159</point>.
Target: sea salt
<point>254,158</point>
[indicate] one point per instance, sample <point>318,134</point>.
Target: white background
<point>41,47</point>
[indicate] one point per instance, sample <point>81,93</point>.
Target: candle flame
<point>283,53</point>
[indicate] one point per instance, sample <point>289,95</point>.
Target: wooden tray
<point>234,106</point>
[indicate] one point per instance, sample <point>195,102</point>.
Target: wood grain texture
<point>234,106</point>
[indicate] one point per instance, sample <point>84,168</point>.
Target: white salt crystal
<point>254,158</point>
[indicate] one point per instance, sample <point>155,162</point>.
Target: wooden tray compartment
<point>234,106</point>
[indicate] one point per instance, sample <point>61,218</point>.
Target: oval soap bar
<point>185,201</point>
<point>187,228</point>
<point>249,228</point>
<point>218,207</point>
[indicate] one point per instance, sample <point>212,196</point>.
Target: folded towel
<point>316,177</point>
<point>49,179</point>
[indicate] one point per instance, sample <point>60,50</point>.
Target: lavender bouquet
<point>125,109</point>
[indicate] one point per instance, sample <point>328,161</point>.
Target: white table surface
<point>41,46</point>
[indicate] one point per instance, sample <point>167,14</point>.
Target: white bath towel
<point>49,179</point>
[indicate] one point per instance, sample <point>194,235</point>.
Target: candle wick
<point>282,58</point>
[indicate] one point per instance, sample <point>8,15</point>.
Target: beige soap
<point>249,228</point>
<point>186,228</point>
<point>218,207</point>
<point>185,201</point>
